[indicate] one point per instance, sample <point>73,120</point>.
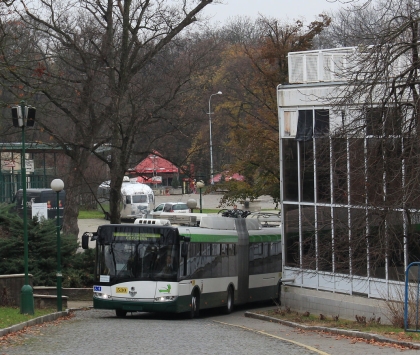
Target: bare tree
<point>93,64</point>
<point>254,62</point>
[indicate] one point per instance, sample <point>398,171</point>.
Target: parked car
<point>179,207</point>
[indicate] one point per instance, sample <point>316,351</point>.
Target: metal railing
<point>411,299</point>
<point>11,183</point>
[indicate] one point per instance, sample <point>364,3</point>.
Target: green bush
<point>77,268</point>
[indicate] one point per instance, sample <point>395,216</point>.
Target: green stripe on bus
<point>265,238</point>
<point>211,238</point>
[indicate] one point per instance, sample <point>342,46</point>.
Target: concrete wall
<point>10,288</point>
<point>73,294</point>
<point>332,304</point>
<point>44,297</point>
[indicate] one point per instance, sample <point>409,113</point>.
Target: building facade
<point>345,233</point>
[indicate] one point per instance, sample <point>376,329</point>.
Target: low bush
<point>77,267</point>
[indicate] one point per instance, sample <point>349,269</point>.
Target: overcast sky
<point>280,9</point>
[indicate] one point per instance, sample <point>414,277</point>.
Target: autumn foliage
<point>247,137</point>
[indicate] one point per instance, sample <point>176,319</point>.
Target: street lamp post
<point>57,185</point>
<point>22,116</point>
<point>200,184</point>
<point>211,143</point>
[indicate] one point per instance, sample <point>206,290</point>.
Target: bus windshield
<point>127,261</point>
<point>139,198</point>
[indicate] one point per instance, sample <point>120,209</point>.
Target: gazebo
<point>155,170</point>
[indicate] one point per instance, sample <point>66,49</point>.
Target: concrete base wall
<point>73,294</point>
<point>10,288</point>
<point>49,301</point>
<point>332,304</point>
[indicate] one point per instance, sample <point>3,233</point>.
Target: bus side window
<point>128,199</point>
<point>194,260</point>
<point>231,249</point>
<point>215,250</point>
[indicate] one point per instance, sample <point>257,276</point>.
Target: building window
<point>290,170</point>
<point>289,123</point>
<point>291,235</point>
<point>383,121</point>
<point>305,126</point>
<point>307,171</point>
<point>322,123</point>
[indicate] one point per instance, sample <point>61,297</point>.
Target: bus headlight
<point>165,298</point>
<point>103,296</point>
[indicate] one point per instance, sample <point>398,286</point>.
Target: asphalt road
<point>100,332</point>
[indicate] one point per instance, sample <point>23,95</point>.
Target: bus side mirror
<point>85,240</point>
<point>184,250</point>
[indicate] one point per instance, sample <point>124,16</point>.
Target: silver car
<point>179,207</point>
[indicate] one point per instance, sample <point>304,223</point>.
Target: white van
<point>137,199</point>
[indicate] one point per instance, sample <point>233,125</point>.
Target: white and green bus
<point>153,267</point>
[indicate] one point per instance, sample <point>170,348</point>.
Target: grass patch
<point>11,315</point>
<point>372,325</point>
<point>91,214</point>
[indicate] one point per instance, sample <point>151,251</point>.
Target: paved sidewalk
<point>335,331</point>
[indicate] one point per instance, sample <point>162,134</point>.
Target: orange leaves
<point>39,70</point>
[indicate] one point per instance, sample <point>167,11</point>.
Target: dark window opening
<point>305,125</point>
<point>322,123</point>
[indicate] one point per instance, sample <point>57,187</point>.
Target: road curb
<point>349,333</point>
<point>39,320</point>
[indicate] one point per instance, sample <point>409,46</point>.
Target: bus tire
<point>229,301</point>
<point>278,299</point>
<point>120,313</point>
<point>195,305</point>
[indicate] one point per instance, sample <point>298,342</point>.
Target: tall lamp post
<point>200,184</point>
<point>211,143</point>
<point>57,185</point>
<point>22,116</point>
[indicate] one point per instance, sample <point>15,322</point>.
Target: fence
<point>11,183</point>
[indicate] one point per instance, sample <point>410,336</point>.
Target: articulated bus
<point>157,267</point>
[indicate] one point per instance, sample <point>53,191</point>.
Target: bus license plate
<point>121,290</point>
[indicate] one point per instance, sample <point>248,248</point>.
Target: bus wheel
<point>120,313</point>
<point>229,301</point>
<point>195,306</point>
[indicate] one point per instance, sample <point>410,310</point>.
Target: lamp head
<point>57,185</point>
<point>219,93</point>
<point>200,184</point>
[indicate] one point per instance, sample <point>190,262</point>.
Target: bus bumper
<point>181,304</point>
